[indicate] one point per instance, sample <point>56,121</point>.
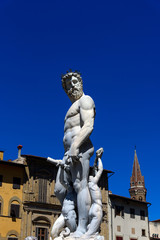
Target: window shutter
<point>15,210</point>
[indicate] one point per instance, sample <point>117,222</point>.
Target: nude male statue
<point>78,126</point>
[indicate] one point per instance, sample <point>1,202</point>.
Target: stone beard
<point>75,93</point>
<point>75,89</point>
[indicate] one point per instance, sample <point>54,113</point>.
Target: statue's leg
<point>71,221</point>
<point>68,210</point>
<point>96,220</point>
<point>81,187</point>
<point>57,226</point>
<point>90,216</point>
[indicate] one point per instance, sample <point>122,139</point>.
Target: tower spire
<point>137,186</point>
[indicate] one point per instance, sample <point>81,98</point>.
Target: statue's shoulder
<point>86,102</point>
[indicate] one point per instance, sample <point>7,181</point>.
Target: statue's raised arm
<point>98,166</point>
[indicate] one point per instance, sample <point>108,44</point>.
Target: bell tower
<point>137,186</point>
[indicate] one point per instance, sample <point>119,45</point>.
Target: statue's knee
<point>76,185</point>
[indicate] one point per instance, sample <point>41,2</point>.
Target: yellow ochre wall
<point>8,195</point>
<point>1,155</point>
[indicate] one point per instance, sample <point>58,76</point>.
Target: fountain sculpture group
<point>78,192</point>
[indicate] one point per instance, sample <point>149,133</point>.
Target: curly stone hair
<point>69,75</point>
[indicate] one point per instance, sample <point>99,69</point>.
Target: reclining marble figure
<point>73,171</point>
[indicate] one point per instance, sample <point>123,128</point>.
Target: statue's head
<point>73,85</point>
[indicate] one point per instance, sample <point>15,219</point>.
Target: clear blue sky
<point>116,46</point>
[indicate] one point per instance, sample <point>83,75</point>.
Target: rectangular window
<point>119,211</point>
<point>119,238</point>
<point>42,196</point>
<point>142,214</point>
<point>0,208</point>
<point>143,232</point>
<point>1,180</point>
<point>14,213</point>
<point>42,233</point>
<point>16,183</point>
<point>132,213</point>
<point>133,231</point>
<point>118,228</point>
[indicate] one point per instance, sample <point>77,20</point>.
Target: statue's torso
<point>95,193</point>
<point>72,124</point>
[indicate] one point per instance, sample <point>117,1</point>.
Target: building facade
<point>128,219</point>
<point>34,203</point>
<point>41,207</point>
<point>154,227</point>
<point>11,203</point>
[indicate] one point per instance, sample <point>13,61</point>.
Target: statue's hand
<point>73,153</point>
<point>99,152</point>
<point>75,158</point>
<point>60,164</point>
<point>72,159</point>
<point>66,168</point>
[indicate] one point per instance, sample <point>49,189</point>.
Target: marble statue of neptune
<point>72,187</point>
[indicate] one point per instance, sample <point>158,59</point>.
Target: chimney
<point>1,155</point>
<point>19,150</point>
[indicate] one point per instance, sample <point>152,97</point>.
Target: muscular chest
<point>73,112</point>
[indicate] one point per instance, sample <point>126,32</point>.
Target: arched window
<point>15,209</point>
<point>140,198</point>
<point>12,237</point>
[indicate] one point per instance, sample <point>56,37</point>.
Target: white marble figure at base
<point>73,172</point>
<point>95,212</point>
<point>93,237</point>
<point>31,238</point>
<point>68,214</point>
